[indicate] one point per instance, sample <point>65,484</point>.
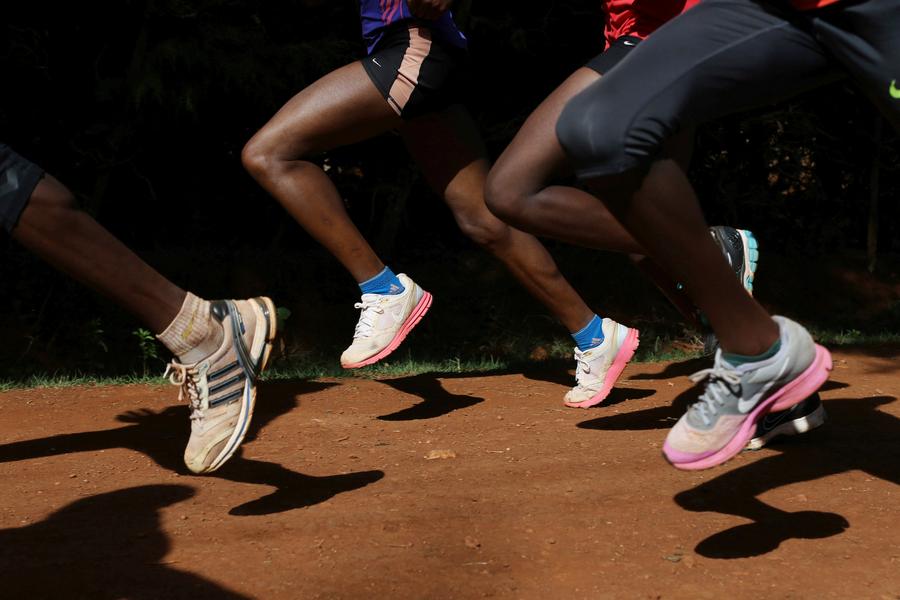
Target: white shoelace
<point>366,323</point>
<point>721,379</point>
<point>186,378</point>
<point>582,369</point>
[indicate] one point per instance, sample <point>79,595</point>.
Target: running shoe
<point>803,417</point>
<point>724,418</point>
<point>742,252</point>
<point>597,369</point>
<point>221,388</point>
<point>384,322</point>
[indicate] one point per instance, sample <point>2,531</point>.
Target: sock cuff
<point>190,327</point>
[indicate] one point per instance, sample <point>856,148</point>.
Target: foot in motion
<point>724,418</point>
<point>384,322</point>
<point>598,368</point>
<point>742,252</point>
<point>221,387</point>
<point>803,417</point>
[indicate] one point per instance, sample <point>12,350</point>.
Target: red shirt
<point>638,18</point>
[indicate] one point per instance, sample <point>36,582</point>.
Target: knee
<point>503,198</point>
<point>257,157</point>
<point>483,228</point>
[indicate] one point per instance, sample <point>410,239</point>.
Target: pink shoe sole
<point>792,393</point>
<point>411,321</point>
<point>623,356</point>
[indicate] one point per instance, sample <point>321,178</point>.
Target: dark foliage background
<point>141,107</point>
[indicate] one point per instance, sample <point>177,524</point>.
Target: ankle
<point>193,334</point>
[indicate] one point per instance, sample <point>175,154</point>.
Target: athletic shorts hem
<point>18,179</point>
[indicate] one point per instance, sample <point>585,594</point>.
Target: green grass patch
<point>75,379</point>
<point>553,354</point>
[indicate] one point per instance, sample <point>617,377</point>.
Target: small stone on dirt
<point>436,454</point>
<point>472,542</point>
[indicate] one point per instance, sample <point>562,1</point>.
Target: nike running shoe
<point>722,421</point>
<point>803,417</point>
<point>221,388</point>
<point>741,250</point>
<point>384,322</point>
<point>597,369</point>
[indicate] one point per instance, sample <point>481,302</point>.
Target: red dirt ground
<point>334,498</point>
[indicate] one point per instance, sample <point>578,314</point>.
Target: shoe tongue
<point>370,297</point>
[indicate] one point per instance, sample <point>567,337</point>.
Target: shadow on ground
<point>436,401</point>
<point>107,546</point>
<point>866,439</point>
<point>162,435</point>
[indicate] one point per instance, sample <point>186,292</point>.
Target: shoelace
<point>366,322</point>
<point>186,378</point>
<point>582,368</point>
<point>719,387</point>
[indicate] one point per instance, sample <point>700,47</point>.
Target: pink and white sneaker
<point>384,322</point>
<point>598,369</point>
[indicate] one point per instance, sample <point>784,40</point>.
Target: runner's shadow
<point>867,440</point>
<point>107,546</point>
<point>677,369</point>
<point>292,490</point>
<point>557,371</point>
<point>436,401</point>
<point>161,435</point>
<point>661,417</point>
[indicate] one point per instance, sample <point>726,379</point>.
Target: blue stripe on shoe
<point>227,383</point>
<point>226,399</point>
<point>236,438</point>
<point>224,370</point>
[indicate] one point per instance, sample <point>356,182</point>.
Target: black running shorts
<point>613,55</point>
<point>726,56</point>
<point>18,178</point>
<point>416,73</point>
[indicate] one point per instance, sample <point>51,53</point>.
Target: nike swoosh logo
<point>627,43</point>
<point>376,62</point>
<point>893,91</point>
<point>745,406</point>
<point>397,315</point>
<point>772,421</point>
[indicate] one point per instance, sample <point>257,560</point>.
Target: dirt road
<point>334,496</point>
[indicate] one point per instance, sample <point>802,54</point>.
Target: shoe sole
<point>623,357</point>
<point>267,308</point>
<point>411,321</point>
<point>751,258</point>
<point>795,427</point>
<point>794,392</point>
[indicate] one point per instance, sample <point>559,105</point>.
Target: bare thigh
<point>341,108</point>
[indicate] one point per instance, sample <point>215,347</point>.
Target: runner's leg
<point>341,108</point>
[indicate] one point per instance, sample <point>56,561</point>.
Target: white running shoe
<point>221,388</point>
<point>598,369</point>
<point>385,321</point>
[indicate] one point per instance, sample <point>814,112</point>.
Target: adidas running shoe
<point>597,369</point>
<point>221,388</point>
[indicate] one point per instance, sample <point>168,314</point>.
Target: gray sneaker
<point>722,421</point>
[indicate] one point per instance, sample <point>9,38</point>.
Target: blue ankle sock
<point>590,336</point>
<point>383,283</point>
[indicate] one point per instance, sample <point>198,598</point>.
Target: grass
<point>307,366</point>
